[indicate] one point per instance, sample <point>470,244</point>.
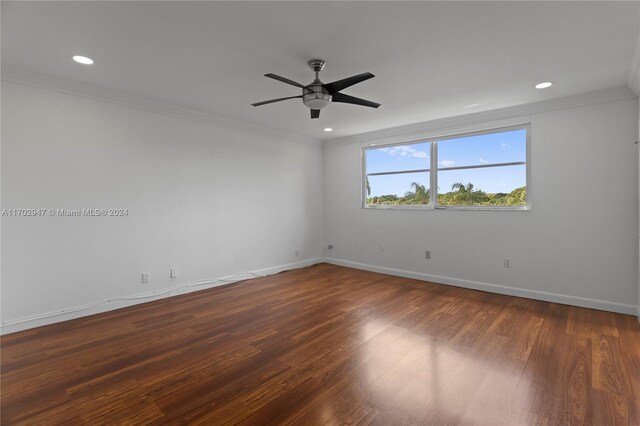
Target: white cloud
<point>446,163</point>
<point>405,151</point>
<point>482,160</point>
<point>505,146</point>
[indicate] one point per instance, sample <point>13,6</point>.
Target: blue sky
<point>501,147</point>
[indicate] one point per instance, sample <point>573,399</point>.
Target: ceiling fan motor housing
<point>315,96</point>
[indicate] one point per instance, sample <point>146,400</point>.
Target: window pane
<point>490,186</point>
<point>503,147</point>
<point>400,189</point>
<point>398,158</point>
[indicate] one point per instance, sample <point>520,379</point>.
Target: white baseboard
<point>109,305</point>
<point>495,288</point>
<point>20,324</point>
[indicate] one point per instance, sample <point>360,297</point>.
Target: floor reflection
<point>416,377</point>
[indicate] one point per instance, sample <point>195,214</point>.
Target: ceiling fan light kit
<point>314,95</point>
<point>318,95</point>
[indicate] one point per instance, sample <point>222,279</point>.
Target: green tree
<point>517,197</point>
<point>462,194</point>
<point>420,194</point>
<point>384,199</point>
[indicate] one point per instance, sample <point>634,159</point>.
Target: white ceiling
<point>431,59</point>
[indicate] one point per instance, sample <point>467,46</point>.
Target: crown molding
<point>47,82</point>
<point>497,115</point>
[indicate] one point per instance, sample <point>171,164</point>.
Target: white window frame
<point>433,170</point>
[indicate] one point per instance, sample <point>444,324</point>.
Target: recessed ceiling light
<point>543,85</point>
<point>83,60</point>
<point>328,129</point>
<point>472,105</point>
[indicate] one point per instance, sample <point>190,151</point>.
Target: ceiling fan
<point>318,95</point>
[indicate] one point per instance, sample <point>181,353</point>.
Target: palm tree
<point>368,187</point>
<point>466,194</point>
<point>421,193</point>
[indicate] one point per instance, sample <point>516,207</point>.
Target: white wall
<point>210,201</point>
<point>214,201</point>
<point>577,245</point>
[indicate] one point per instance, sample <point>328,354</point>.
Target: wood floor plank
<point>609,371</point>
<point>327,345</point>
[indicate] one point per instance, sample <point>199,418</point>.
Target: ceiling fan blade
<point>346,99</point>
<point>284,80</point>
<point>315,113</point>
<point>275,100</point>
<point>339,85</point>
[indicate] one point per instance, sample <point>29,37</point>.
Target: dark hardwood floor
<point>328,345</point>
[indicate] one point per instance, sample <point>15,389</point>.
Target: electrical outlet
<point>330,247</point>
<point>507,263</point>
<point>173,273</point>
<point>298,252</point>
<point>427,254</point>
<point>146,277</point>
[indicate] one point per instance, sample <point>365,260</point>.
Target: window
<point>482,170</point>
<point>398,175</point>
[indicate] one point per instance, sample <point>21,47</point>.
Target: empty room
<point>320,213</point>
